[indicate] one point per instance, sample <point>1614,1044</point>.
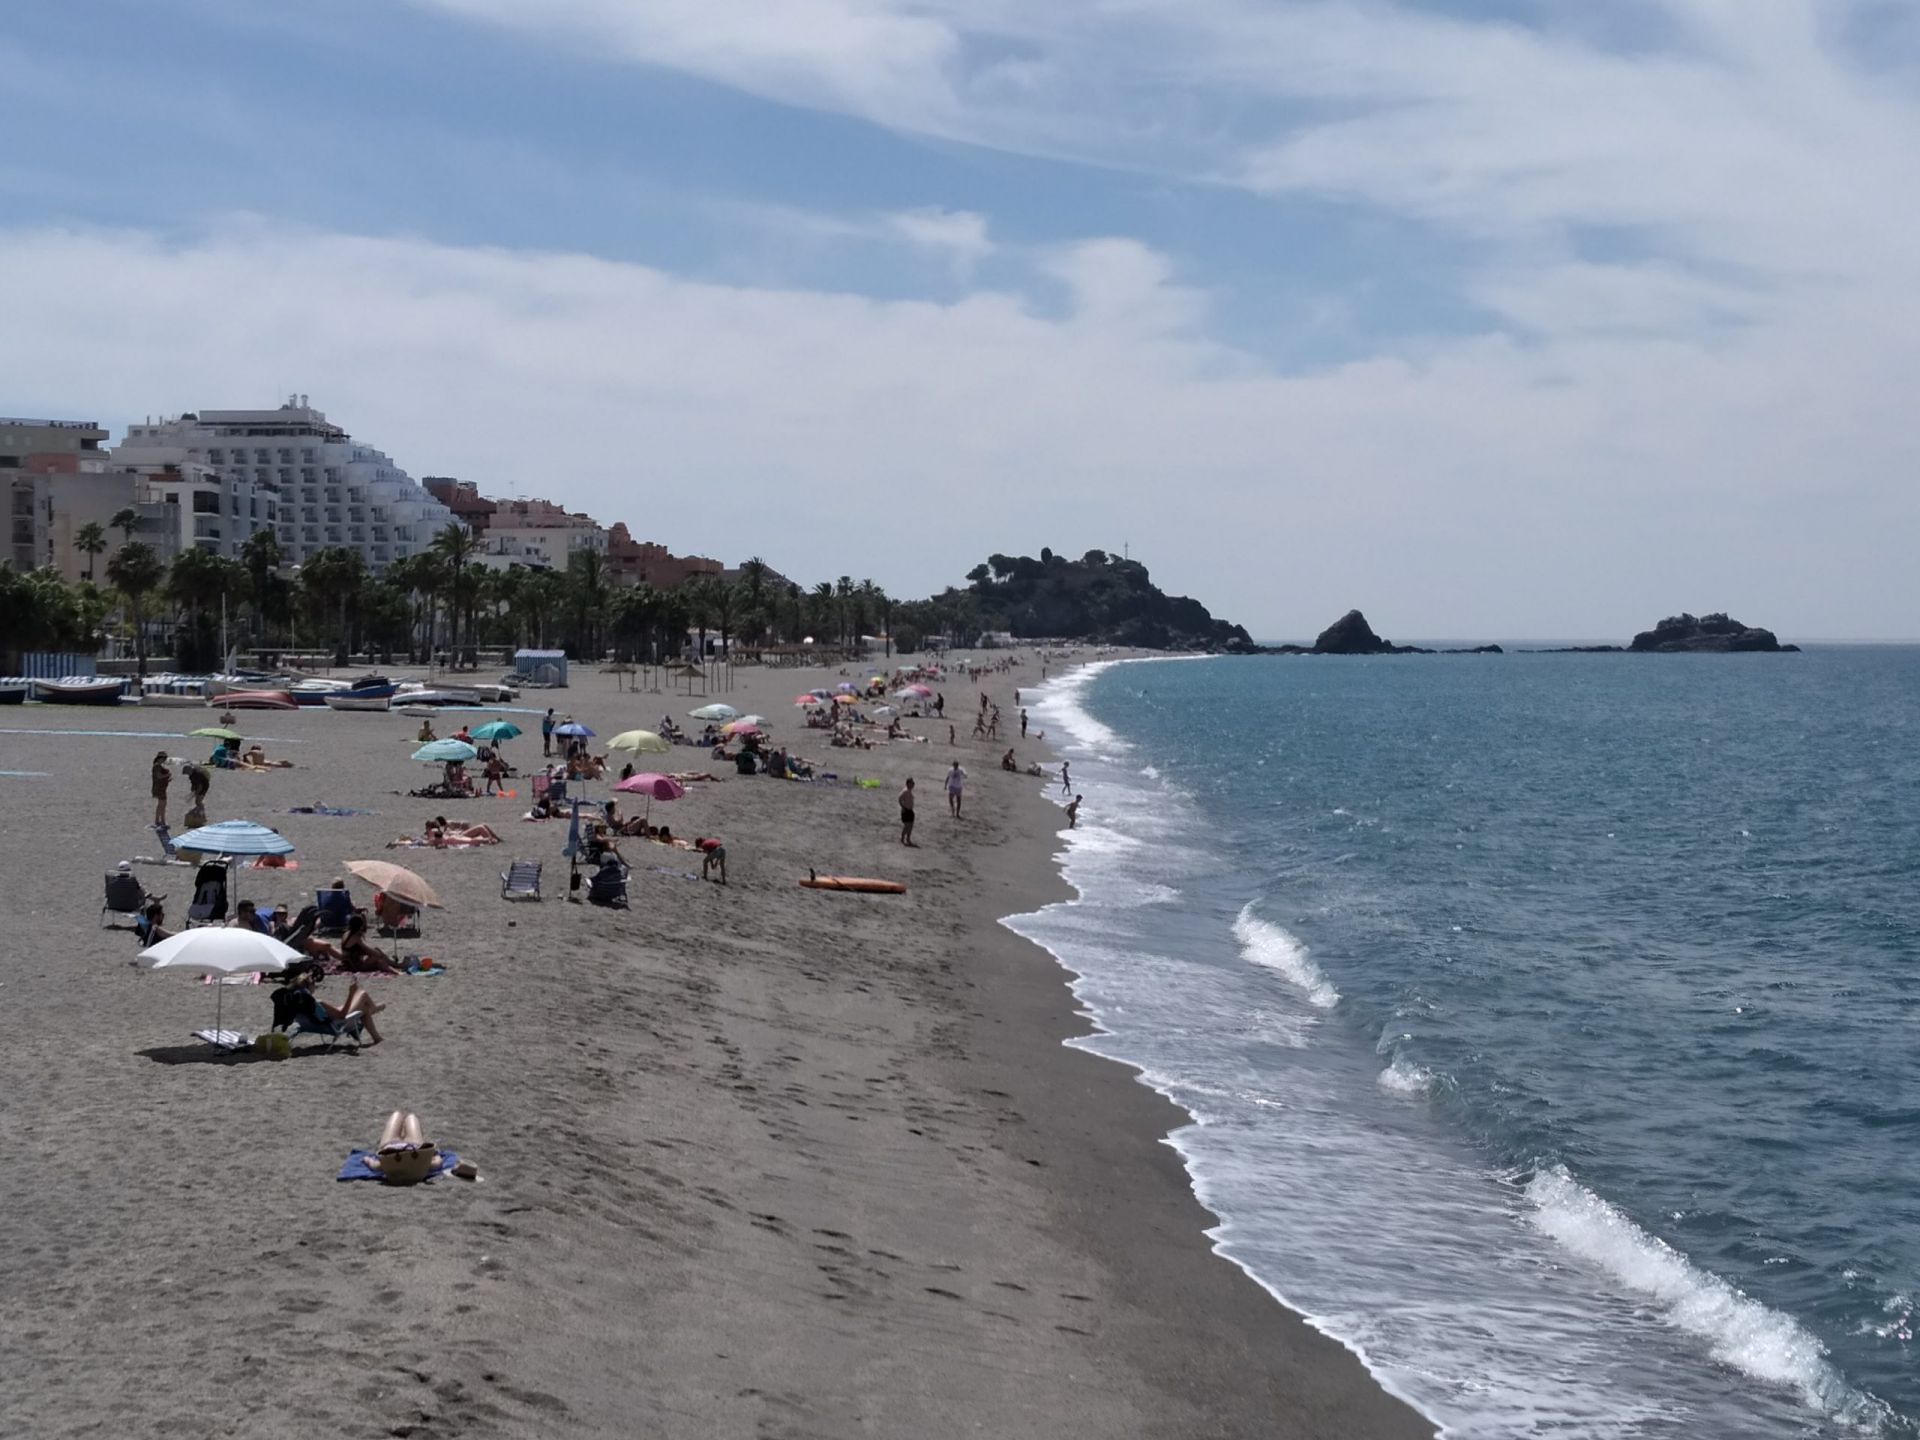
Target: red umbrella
<point>653,786</point>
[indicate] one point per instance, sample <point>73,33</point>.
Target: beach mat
<point>356,1166</point>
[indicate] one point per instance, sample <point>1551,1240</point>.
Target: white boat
<point>347,700</point>
<point>178,699</point>
<point>79,691</point>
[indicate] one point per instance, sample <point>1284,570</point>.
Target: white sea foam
<point>1739,1330</point>
<point>1267,944</point>
<point>1403,1077</point>
<point>1060,700</point>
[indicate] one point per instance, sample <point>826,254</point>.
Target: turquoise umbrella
<point>235,837</point>
<point>495,730</point>
<point>442,751</point>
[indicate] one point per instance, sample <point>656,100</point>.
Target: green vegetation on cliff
<point>1099,597</point>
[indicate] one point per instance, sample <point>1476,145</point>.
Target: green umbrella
<point>495,730</point>
<point>218,732</point>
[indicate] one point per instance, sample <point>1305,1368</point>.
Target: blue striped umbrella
<point>442,751</point>
<point>235,837</point>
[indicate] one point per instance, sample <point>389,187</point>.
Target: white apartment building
<point>326,488</point>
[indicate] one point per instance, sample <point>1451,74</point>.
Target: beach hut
<point>541,667</point>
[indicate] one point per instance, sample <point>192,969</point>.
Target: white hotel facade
<point>326,489</point>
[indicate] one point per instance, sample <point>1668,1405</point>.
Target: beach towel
<point>328,810</point>
<point>356,1166</point>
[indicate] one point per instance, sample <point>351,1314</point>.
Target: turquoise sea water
<point>1549,1022</point>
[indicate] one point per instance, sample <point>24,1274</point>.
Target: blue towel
<point>356,1166</point>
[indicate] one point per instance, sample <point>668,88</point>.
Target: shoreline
<point>753,1158</point>
<point>1255,1330</point>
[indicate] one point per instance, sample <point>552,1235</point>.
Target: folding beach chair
<point>520,880</point>
<point>301,1016</point>
<point>125,899</point>
<point>335,909</point>
<point>608,885</point>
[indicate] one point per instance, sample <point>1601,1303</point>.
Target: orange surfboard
<point>863,883</point>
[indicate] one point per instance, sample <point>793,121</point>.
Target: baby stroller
<point>209,905</point>
<point>608,884</point>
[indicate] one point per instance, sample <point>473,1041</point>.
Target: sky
<point>1495,319</point>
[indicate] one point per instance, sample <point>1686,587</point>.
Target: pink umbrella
<point>808,700</point>
<point>659,787</point>
<point>921,690</point>
<point>653,786</point>
<point>742,727</point>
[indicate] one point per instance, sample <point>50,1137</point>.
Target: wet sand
<point>756,1160</point>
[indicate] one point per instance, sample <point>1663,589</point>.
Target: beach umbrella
<point>715,711</point>
<point>441,752</point>
<point>573,729</point>
<point>822,692</point>
<point>396,880</point>
<point>742,727</point>
<point>495,730</point>
<point>219,951</point>
<point>218,732</point>
<point>919,692</point>
<point>884,712</point>
<point>845,686</point>
<point>808,701</point>
<point>654,787</point>
<point>234,837</point>
<point>660,787</point>
<point>641,742</point>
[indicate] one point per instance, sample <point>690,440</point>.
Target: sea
<point>1548,1022</point>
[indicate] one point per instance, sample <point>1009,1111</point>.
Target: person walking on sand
<point>1066,785</point>
<point>906,812</point>
<point>162,778</point>
<point>956,784</point>
<point>1073,813</point>
<point>950,739</point>
<point>1023,724</point>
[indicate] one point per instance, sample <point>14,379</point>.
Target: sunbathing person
<point>356,953</point>
<point>451,834</point>
<point>246,916</point>
<point>256,759</point>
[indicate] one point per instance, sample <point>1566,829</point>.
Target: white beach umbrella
<point>219,951</point>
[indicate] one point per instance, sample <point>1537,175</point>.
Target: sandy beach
<point>755,1159</point>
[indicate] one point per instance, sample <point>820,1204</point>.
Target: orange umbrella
<point>398,881</point>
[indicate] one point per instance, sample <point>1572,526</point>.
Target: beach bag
<point>273,1045</point>
<point>406,1165</point>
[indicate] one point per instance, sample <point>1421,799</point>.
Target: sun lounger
<point>125,899</point>
<point>225,1039</point>
<point>520,880</point>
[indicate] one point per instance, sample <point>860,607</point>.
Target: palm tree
<point>331,581</point>
<point>587,590</point>
<point>453,546</point>
<point>820,607</point>
<point>126,522</point>
<point>726,603</point>
<point>136,572</point>
<point>796,613</point>
<point>90,540</point>
<point>698,597</point>
<point>753,585</point>
<point>261,557</point>
<point>199,583</point>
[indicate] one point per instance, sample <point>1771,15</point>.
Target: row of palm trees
<point>439,602</point>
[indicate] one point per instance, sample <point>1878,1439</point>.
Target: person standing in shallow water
<point>1023,724</point>
<point>906,812</point>
<point>1066,785</point>
<point>162,778</point>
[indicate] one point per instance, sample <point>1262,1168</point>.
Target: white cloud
<point>1480,485</point>
<point>960,235</point>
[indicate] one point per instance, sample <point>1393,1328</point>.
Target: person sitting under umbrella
<point>357,953</point>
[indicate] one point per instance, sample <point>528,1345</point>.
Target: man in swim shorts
<point>906,812</point>
<point>956,784</point>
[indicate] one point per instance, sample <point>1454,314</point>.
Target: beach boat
<point>480,693</point>
<point>13,692</point>
<point>176,699</point>
<point>258,700</point>
<point>314,693</point>
<point>358,700</point>
<point>78,691</point>
<point>257,680</point>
